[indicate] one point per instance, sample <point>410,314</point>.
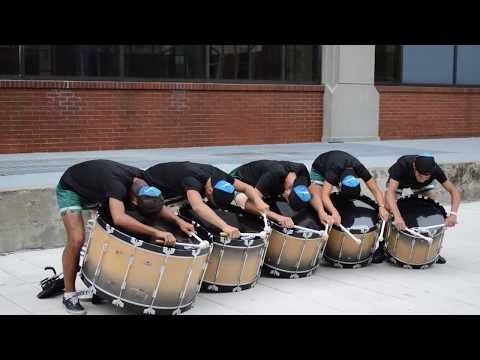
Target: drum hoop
<point>178,250</point>
<point>292,271</point>
<point>297,232</point>
<point>356,231</point>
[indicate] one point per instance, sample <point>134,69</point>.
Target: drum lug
<point>370,260</point>
<point>338,265</point>
<point>110,229</point>
<point>406,266</point>
<point>307,235</point>
<point>212,287</point>
<point>225,240</point>
<point>168,250</point>
<point>294,276</point>
<point>423,267</point>
<point>237,289</point>
<point>135,242</point>
<point>118,302</point>
<point>149,311</point>
<point>310,273</point>
<point>356,266</point>
<point>393,260</point>
<point>274,273</point>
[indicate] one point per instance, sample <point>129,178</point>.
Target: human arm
<point>392,204</point>
<point>253,195</point>
<point>327,203</point>
<point>167,214</point>
<point>378,195</point>
<point>317,204</point>
<point>452,218</point>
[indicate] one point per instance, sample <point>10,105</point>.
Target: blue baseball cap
<point>300,195</point>
<point>223,193</point>
<point>350,186</point>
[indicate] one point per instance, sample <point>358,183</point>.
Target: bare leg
<point>74,227</point>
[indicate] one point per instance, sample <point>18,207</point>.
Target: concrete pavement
<point>452,288</point>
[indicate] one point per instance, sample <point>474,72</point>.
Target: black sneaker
<point>378,255</point>
<point>72,306</point>
<point>440,260</point>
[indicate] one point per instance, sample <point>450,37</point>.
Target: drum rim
<point>296,232</point>
<point>179,250</point>
<point>436,204</point>
<point>370,202</point>
<point>293,271</point>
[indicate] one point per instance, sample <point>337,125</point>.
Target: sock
<point>68,295</point>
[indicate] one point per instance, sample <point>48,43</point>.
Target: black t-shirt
<point>98,180</point>
<point>268,176</point>
<point>403,172</point>
<point>176,178</point>
<point>331,165</point>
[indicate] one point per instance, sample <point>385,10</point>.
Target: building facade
<point>75,98</point>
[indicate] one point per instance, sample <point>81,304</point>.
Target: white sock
<point>68,295</point>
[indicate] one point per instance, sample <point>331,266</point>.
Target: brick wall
<point>38,116</point>
<point>409,112</point>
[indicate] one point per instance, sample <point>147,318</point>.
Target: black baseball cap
<point>425,163</point>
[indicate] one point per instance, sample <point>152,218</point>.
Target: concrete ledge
<point>30,217</point>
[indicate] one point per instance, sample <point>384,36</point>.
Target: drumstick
<point>265,222</point>
<point>198,238</point>
<point>261,234</point>
<point>420,228</point>
<point>419,235</point>
<point>380,237</point>
<point>350,234</point>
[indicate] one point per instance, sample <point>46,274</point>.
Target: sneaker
<point>440,260</point>
<point>378,255</point>
<point>72,306</point>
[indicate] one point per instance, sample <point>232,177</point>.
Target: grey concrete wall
<point>29,218</point>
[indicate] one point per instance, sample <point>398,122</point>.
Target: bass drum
<point>425,216</point>
<point>143,277</point>
<point>294,253</point>
<point>234,264</point>
<point>360,217</point>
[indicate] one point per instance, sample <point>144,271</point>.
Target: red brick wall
<point>38,116</point>
<point>409,112</point>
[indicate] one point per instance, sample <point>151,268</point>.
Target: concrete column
<point>351,102</point>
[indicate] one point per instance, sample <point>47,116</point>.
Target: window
<point>271,63</point>
<point>428,64</point>
<point>9,59</point>
<point>468,64</point>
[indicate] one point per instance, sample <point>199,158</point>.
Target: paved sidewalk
<point>453,288</point>
<point>43,170</point>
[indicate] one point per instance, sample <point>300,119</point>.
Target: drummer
<point>271,179</point>
<point>342,170</point>
<point>417,172</point>
<point>93,183</point>
<point>194,182</point>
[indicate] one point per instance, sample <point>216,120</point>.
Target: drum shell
<point>108,259</point>
<point>412,250</point>
<point>350,252</point>
<point>292,254</point>
<point>234,264</point>
<point>407,249</point>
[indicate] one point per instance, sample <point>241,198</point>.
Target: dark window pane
<point>302,62</point>
<point>427,64</point>
<point>387,63</point>
<point>165,61</point>
<point>267,62</point>
<point>230,61</point>
<point>468,64</point>
<point>76,60</point>
<point>9,63</point>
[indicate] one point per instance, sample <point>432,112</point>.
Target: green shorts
<point>71,201</point>
<point>316,178</point>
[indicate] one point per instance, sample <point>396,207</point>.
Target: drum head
<point>233,216</point>
<point>421,212</point>
<point>358,214</point>
<point>307,217</point>
<point>105,221</point>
